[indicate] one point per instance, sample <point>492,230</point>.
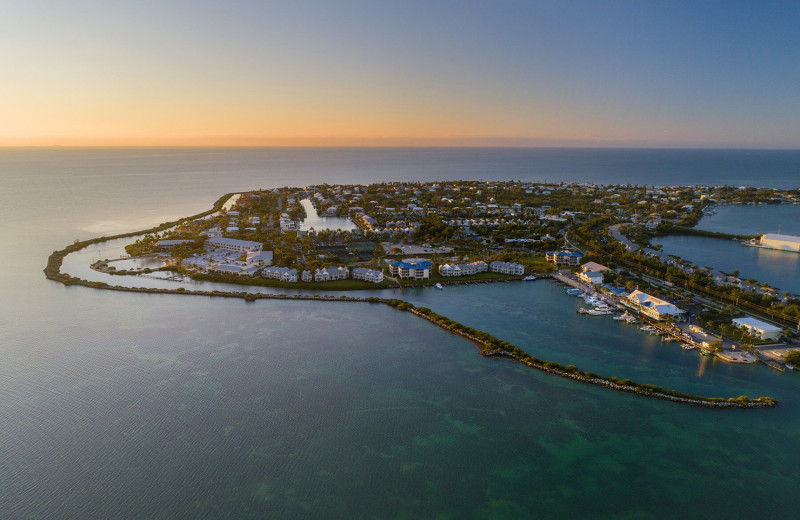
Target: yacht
<point>529,278</point>
<point>438,285</point>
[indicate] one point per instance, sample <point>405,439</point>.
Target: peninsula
<point>591,237</point>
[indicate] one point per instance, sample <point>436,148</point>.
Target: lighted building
<point>758,328</point>
<point>651,306</point>
<point>782,242</point>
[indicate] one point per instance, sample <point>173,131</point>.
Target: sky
<point>720,74</point>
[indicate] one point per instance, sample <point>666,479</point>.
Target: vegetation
<point>793,358</point>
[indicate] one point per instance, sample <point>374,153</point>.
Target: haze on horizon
<point>447,73</point>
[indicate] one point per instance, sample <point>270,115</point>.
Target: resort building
<point>284,274</point>
<point>564,258</point>
<point>782,242</point>
<point>369,275</point>
<point>232,244</point>
<point>758,328</point>
<point>507,268</point>
<point>234,269</point>
<point>328,274</point>
<point>651,306</point>
<point>261,258</point>
<point>463,269</point>
<point>415,269</point>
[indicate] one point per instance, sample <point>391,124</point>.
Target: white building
<point>369,275</point>
<point>463,269</point>
<point>592,277</point>
<point>782,242</point>
<point>651,306</point>
<point>507,268</point>
<point>283,274</point>
<point>758,328</point>
<point>231,244</point>
<point>331,273</point>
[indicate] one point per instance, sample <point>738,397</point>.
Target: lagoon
<point>780,269</point>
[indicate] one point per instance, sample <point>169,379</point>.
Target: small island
<point>592,238</point>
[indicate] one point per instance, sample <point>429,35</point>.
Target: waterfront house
<point>283,274</point>
<point>307,276</point>
<point>591,277</point>
<point>507,268</point>
<point>369,275</point>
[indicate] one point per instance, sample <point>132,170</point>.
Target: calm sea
<point>143,406</point>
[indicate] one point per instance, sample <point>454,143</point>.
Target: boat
<point>790,366</point>
<point>529,278</point>
<point>595,312</point>
<point>574,291</point>
<point>687,346</point>
<point>438,285</point>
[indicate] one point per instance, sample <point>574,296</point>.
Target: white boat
<point>596,312</point>
<point>529,278</point>
<point>438,285</point>
<point>687,346</point>
<point>790,366</point>
<point>575,292</point>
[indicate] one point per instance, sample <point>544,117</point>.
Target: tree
<point>793,357</point>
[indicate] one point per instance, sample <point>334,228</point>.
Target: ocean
<point>116,405</point>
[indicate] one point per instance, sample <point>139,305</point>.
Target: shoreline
<point>493,347</point>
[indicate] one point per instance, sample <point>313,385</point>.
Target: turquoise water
<point>778,268</point>
<point>159,406</point>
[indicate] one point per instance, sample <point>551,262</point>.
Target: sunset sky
<point>462,73</point>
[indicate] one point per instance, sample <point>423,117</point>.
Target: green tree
<point>793,357</point>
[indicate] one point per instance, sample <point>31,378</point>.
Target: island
<point>594,239</point>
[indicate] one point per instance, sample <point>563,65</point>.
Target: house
<point>758,328</point>
<point>507,268</point>
<point>591,277</point>
<point>307,276</point>
<point>331,273</point>
<point>283,274</point>
<point>369,275</point>
<point>651,306</point>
